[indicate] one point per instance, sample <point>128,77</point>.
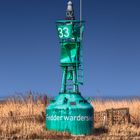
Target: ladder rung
<point>69,84</point>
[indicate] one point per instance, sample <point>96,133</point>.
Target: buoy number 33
<point>64,32</point>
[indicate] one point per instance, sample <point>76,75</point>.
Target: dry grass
<point>21,106</point>
<point>25,129</point>
<point>36,129</point>
<point>123,132</point>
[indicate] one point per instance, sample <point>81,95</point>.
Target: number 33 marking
<point>63,32</point>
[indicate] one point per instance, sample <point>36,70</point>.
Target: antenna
<point>80,10</point>
<point>81,18</point>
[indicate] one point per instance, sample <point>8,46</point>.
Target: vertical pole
<point>74,79</point>
<point>80,10</point>
<point>63,86</point>
<point>81,36</point>
<point>81,20</point>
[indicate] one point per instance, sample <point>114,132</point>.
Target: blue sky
<point>29,46</point>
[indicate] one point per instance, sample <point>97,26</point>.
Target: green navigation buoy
<point>69,111</point>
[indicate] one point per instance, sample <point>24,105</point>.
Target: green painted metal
<point>69,33</point>
<point>69,52</point>
<point>70,29</point>
<point>70,111</point>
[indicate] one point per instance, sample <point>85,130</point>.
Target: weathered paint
<point>70,113</point>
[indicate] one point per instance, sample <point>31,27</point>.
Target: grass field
<point>27,128</point>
